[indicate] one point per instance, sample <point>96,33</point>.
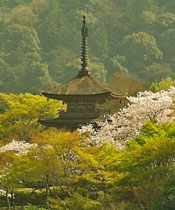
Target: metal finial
<point>84,19</point>
<point>84,29</point>
<point>84,58</point>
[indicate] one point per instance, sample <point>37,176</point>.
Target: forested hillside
<point>40,41</point>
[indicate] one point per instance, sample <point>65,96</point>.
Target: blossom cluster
<point>19,147</point>
<point>2,192</point>
<point>127,123</point>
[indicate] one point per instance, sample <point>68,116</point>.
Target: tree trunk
<point>47,195</point>
<point>13,202</point>
<point>7,200</point>
<point>47,191</point>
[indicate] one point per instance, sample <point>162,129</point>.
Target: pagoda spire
<point>84,58</point>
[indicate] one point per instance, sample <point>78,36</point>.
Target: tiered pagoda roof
<point>85,85</point>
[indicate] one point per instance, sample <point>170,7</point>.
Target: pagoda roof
<point>85,85</point>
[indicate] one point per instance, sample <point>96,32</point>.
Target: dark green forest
<point>40,41</point>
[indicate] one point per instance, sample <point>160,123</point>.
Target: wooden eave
<point>64,97</point>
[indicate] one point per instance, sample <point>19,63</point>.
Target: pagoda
<point>83,95</point>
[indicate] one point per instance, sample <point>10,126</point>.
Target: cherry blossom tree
<point>127,123</point>
<point>19,147</point>
<point>8,177</point>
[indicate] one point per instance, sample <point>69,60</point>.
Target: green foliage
<point>143,47</point>
<point>147,18</point>
<point>168,194</point>
<point>8,79</point>
<point>121,206</point>
<point>98,70</point>
<point>73,175</point>
<point>149,162</point>
<point>156,72</point>
<point>18,36</point>
<point>164,84</point>
<point>20,114</point>
<point>166,20</point>
<point>119,62</point>
<point>21,62</point>
<point>31,207</point>
<point>167,45</point>
<point>63,165</point>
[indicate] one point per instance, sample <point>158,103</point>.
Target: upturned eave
<point>107,95</point>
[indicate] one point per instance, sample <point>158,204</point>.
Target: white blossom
<point>20,147</point>
<point>127,123</point>
<point>2,192</point>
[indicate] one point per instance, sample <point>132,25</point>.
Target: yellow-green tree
<point>20,114</point>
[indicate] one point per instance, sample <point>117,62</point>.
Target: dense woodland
<point>126,164</point>
<point>40,41</point>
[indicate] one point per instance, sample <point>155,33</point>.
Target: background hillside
<point>40,41</point>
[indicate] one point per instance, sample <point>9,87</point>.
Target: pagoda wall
<point>82,108</point>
